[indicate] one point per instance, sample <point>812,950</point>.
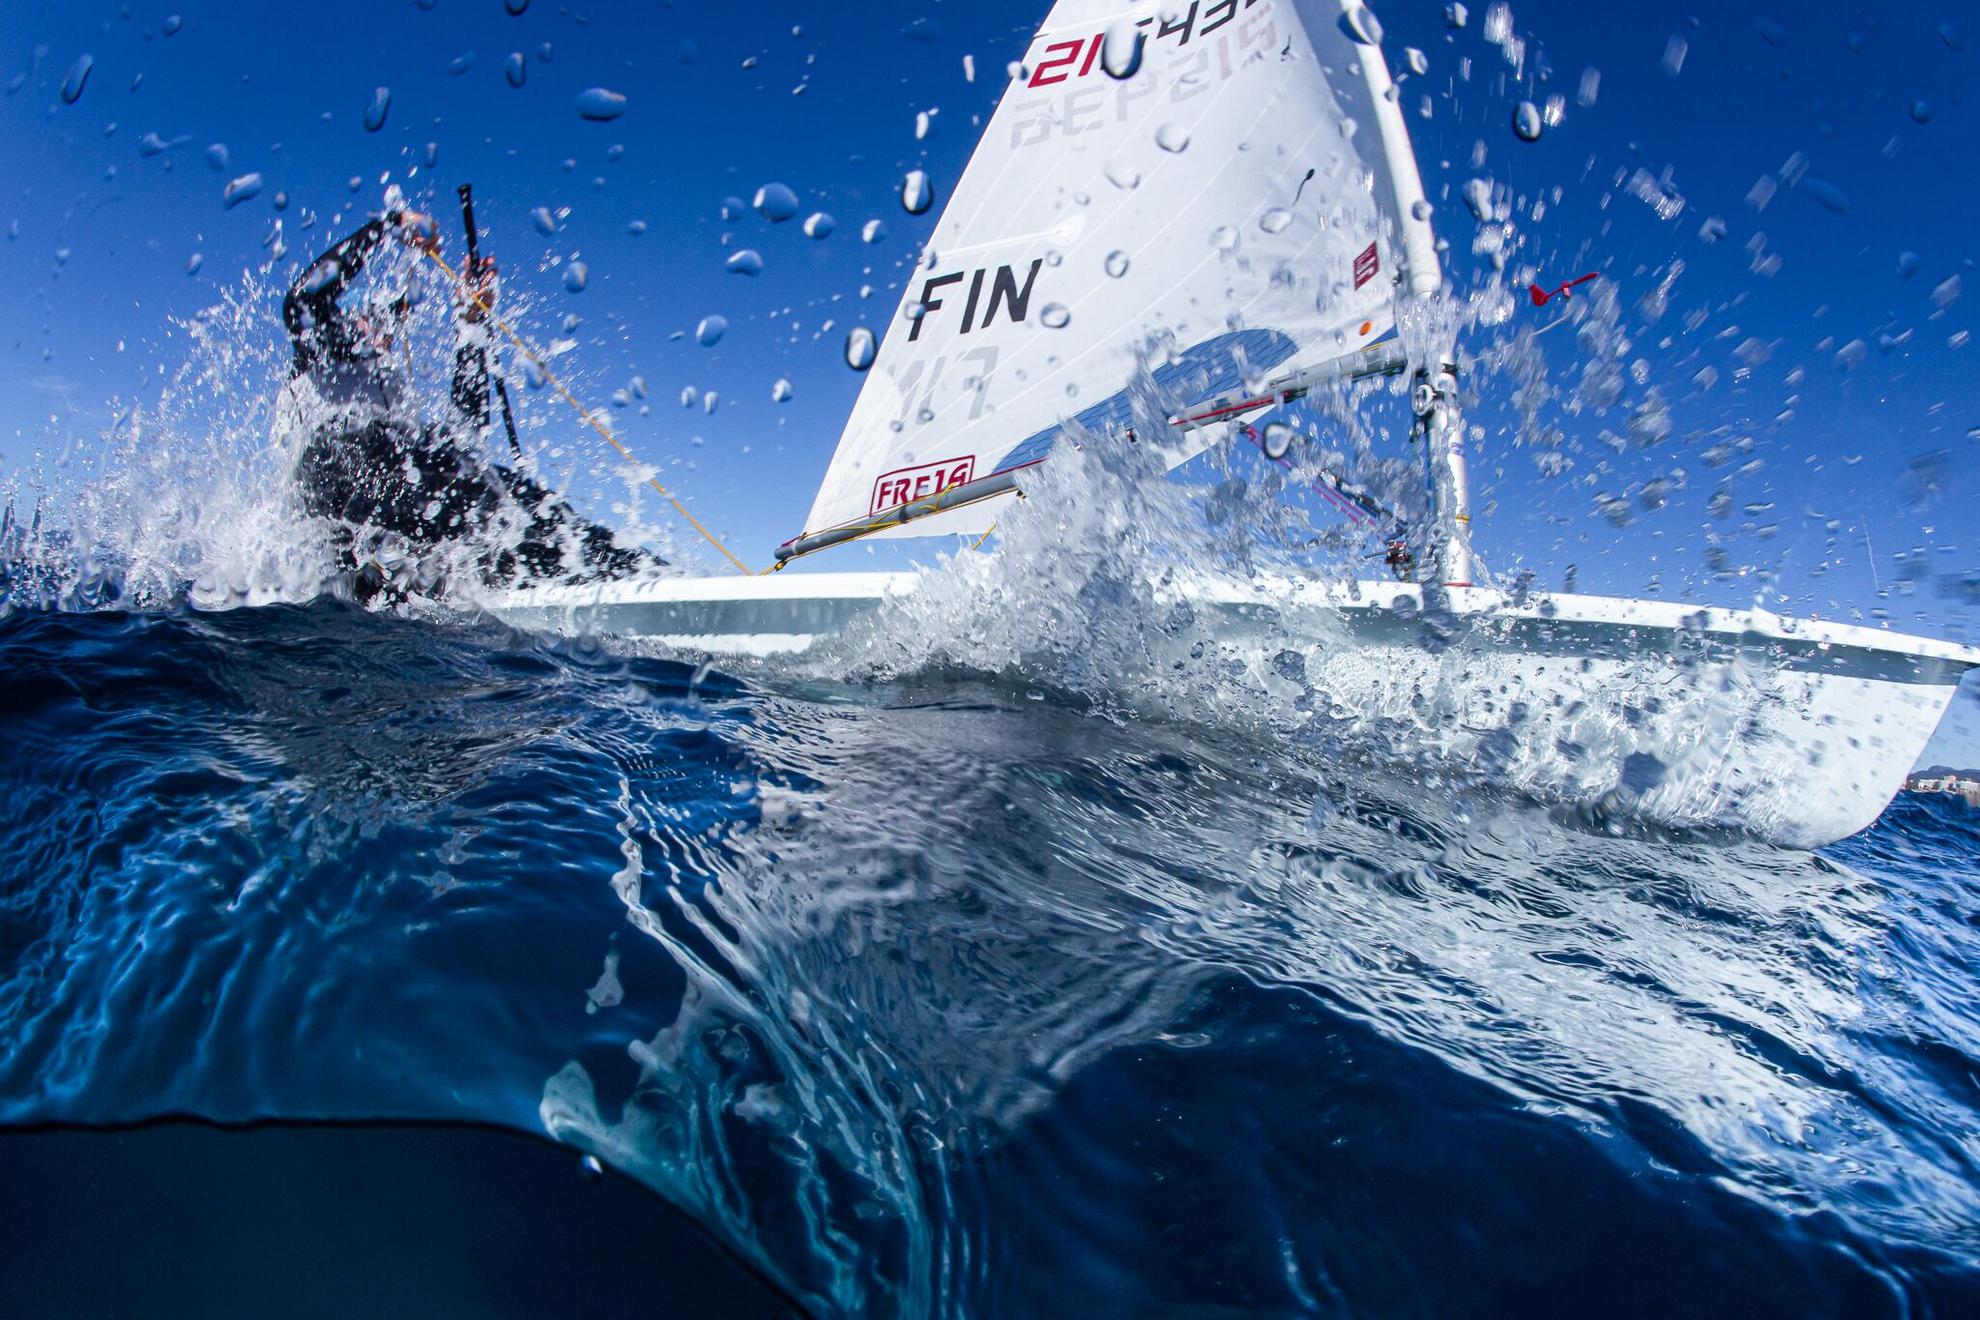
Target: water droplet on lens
<point>819,225</point>
<point>733,208</point>
<point>76,78</point>
<point>1362,25</point>
<point>1419,63</point>
<point>1117,263</point>
<point>1478,196</point>
<point>1826,195</point>
<point>1055,316</point>
<point>1123,175</point>
<point>1276,441</point>
<point>374,114</point>
<point>917,193</point>
<point>1921,112</point>
<point>1675,51</point>
<point>1275,220</point>
<point>170,27</point>
<point>515,7</point>
<point>1224,238</point>
<point>515,69</point>
<point>710,331</point>
<point>744,261</point>
<point>1419,209</point>
<point>776,203</point>
<point>1121,49</point>
<point>239,190</point>
<point>636,228</point>
<point>860,348</point>
<point>1172,137</point>
<point>1526,121</point>
<point>461,63</point>
<point>872,232</point>
<point>600,105</point>
<point>1907,265</point>
<point>216,157</point>
<point>545,222</point>
<point>780,392</point>
<point>576,276</point>
<point>194,262</point>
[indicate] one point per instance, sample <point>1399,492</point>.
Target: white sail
<point>1247,195</point>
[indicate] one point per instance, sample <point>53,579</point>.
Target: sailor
<point>397,489</point>
<point>1401,562</point>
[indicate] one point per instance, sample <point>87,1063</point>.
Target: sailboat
<point>1300,258</point>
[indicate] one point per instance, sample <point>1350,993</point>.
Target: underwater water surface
<point>947,995</point>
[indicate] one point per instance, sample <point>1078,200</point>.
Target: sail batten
<point>1235,209</point>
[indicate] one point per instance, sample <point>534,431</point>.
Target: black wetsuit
<point>373,470</point>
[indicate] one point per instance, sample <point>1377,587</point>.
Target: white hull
<point>1799,731</point>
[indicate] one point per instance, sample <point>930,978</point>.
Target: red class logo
<point>918,483</point>
<point>1366,265</point>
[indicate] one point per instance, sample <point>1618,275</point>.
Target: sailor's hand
<point>416,229</point>
<point>479,292</point>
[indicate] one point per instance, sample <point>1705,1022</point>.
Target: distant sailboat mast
<point>1244,203</point>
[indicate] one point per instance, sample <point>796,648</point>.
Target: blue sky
<point>1861,116</point>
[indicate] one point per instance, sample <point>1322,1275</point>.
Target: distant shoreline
<point>1946,782</point>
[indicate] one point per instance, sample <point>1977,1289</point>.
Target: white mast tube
<point>1436,398</point>
<point>1437,406</point>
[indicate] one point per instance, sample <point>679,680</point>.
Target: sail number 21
<point>1062,56</point>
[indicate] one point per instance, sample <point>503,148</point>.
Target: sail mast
<point>1434,397</point>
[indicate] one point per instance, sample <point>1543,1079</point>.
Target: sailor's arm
<point>323,282</point>
<point>312,299</point>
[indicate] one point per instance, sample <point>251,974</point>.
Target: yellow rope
<point>591,421</point>
<point>460,278</point>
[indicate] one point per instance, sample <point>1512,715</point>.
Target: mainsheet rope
<point>591,420</point>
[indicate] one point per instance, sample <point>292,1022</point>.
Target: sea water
<point>939,994</point>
